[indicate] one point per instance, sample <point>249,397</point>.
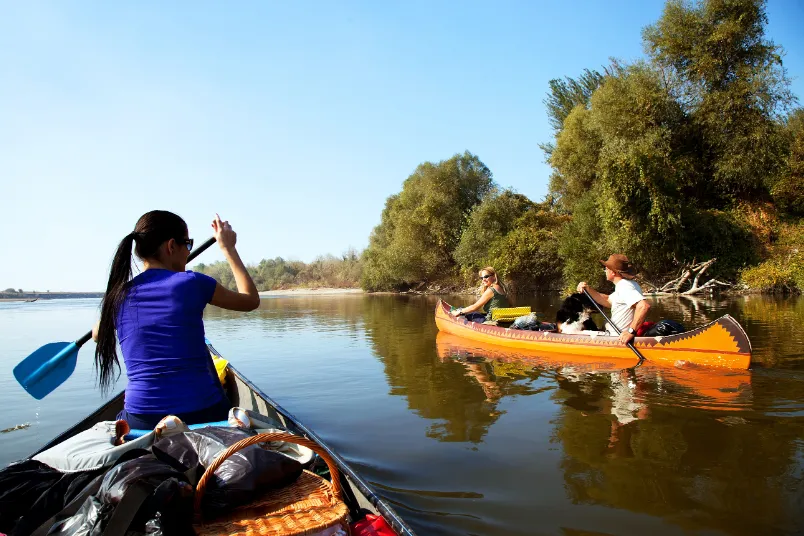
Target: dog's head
<point>574,312</point>
<point>580,300</point>
<point>577,303</point>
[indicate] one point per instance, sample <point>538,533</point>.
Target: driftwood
<point>692,271</point>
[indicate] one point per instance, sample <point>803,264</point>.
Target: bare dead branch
<point>709,284</point>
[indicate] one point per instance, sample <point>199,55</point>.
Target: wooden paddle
<point>48,367</point>
<point>599,310</point>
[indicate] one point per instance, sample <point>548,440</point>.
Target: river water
<point>463,439</point>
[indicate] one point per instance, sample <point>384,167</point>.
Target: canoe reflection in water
<point>587,383</point>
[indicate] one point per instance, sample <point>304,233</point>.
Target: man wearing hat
<point>628,306</point>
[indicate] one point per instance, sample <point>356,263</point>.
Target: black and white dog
<point>574,314</point>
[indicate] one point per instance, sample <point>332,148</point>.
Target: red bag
<point>371,526</point>
<point>644,327</point>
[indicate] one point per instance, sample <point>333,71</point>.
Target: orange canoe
<point>722,343</point>
<point>724,389</point>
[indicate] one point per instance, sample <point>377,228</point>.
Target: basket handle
<point>265,438</point>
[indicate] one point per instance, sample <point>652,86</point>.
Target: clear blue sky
<point>294,120</point>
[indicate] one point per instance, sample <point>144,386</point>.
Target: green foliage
<point>271,274</point>
<point>422,225</point>
<point>640,167</point>
<point>724,235</point>
<point>219,271</point>
<point>732,83</point>
<point>582,243</point>
<point>788,191</point>
<point>568,93</point>
<point>489,222</point>
<point>575,158</point>
<point>625,149</point>
<point>514,235</point>
<point>527,256</point>
<point>784,268</point>
<point>668,161</point>
<point>9,289</point>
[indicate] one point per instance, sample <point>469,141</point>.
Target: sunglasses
<point>186,241</point>
<point>485,276</point>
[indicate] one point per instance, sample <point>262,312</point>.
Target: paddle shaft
<point>599,310</point>
<point>193,254</point>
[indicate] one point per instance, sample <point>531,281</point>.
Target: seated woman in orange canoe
<point>493,296</point>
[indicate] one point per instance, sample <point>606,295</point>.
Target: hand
<point>456,312</point>
<point>224,233</point>
<point>626,337</point>
<point>582,286</point>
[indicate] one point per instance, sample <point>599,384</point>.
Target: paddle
<point>599,310</point>
<point>50,366</point>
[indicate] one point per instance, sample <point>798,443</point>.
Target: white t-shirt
<point>626,294</point>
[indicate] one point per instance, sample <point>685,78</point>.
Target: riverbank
<point>311,291</point>
<point>32,296</point>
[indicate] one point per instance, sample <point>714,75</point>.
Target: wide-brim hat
<point>620,264</point>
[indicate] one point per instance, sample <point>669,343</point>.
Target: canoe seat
<point>509,314</point>
<point>309,505</point>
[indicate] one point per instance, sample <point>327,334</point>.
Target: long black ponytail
<point>152,230</point>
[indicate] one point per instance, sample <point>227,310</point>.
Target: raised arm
<point>246,298</point>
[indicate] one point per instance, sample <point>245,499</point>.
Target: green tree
<point>731,80</point>
<point>527,256</point>
<point>567,93</point>
<point>788,192</point>
<point>626,156</point>
<point>489,222</point>
<point>574,159</point>
<point>641,166</point>
<point>514,235</point>
<point>581,243</point>
<point>421,226</point>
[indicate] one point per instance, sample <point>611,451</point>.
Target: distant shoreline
<point>31,296</point>
<point>320,291</point>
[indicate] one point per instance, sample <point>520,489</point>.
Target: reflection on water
<point>700,448</point>
<point>466,438</point>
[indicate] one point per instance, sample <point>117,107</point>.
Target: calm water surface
<point>464,439</point>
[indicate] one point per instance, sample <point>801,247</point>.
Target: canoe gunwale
<point>86,423</point>
<point>390,515</point>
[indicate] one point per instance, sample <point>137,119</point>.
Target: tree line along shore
<point>11,294</point>
<point>690,161</point>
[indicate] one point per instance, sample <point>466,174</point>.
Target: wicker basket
<point>307,506</point>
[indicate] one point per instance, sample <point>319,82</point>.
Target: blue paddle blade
<point>47,368</point>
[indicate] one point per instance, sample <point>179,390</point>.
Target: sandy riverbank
<point>311,291</point>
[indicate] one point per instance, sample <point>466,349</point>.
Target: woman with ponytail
<point>492,296</point>
<point>157,317</point>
